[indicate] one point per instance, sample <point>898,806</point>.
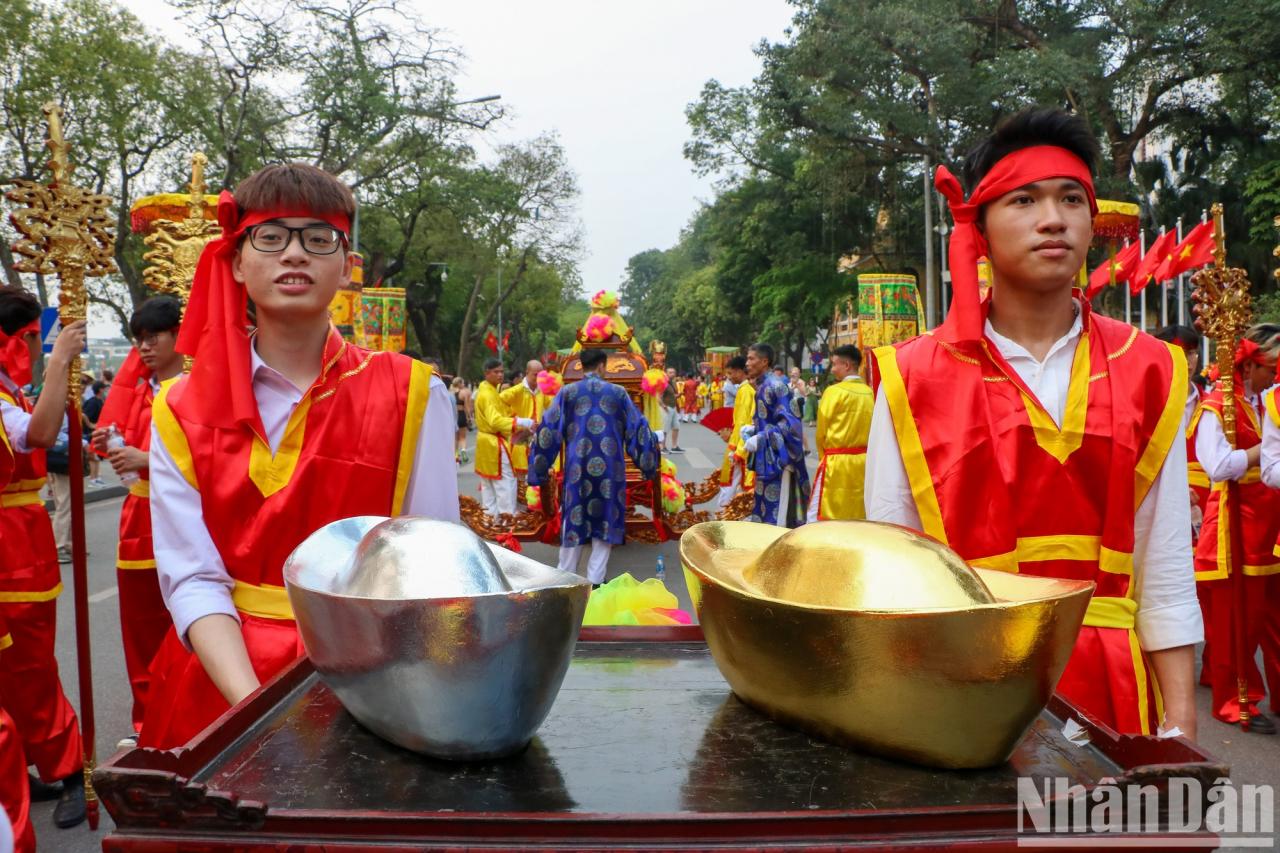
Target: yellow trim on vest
<point>1167,429</point>
<point>1034,549</point>
<point>10,500</point>
<point>1269,403</point>
<point>1060,443</point>
<point>265,602</point>
<point>1108,611</point>
<point>141,489</point>
<point>47,595</point>
<point>415,411</point>
<point>1140,675</point>
<point>171,434</point>
<point>25,485</point>
<point>129,565</point>
<point>1196,476</point>
<point>271,472</point>
<point>6,641</point>
<point>904,425</point>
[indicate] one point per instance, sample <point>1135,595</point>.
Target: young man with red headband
<point>30,688</point>
<point>144,620</point>
<point>272,435</point>
<point>1034,436</point>
<point>1255,371</point>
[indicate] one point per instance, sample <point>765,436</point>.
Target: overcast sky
<point>613,80</point>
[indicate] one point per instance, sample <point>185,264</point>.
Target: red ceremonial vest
<point>348,450</point>
<point>999,482</point>
<point>135,549</point>
<point>28,556</point>
<point>1259,505</point>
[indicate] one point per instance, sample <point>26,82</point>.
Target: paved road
<point>1255,759</point>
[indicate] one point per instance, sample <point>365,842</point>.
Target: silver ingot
<point>431,637</point>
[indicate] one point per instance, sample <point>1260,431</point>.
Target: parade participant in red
<point>15,797</point>
<point>30,688</point>
<point>270,437</point>
<point>1255,368</point>
<point>1033,436</point>
<point>144,620</point>
<point>689,398</point>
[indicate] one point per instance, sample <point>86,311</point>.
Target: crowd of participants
<point>1107,456</point>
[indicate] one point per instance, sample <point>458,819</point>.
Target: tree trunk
<point>464,337</point>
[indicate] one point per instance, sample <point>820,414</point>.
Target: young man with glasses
<point>274,434</point>
<point>153,362</point>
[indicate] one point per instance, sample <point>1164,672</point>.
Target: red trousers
<point>1261,627</point>
<point>31,691</point>
<point>1107,678</point>
<point>183,698</point>
<point>144,622</point>
<point>15,796</point>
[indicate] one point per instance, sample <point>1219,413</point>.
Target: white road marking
<point>697,458</point>
<point>99,597</point>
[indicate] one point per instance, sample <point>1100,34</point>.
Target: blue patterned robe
<point>781,444</point>
<point>595,422</point>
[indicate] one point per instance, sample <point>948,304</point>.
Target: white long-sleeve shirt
<point>1213,453</point>
<point>193,579</point>
<point>1163,569</point>
<point>1269,460</point>
<point>16,421</point>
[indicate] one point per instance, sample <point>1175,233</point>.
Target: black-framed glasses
<point>151,338</point>
<point>272,237</point>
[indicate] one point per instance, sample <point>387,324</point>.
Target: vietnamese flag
<point>1125,261</point>
<point>1195,250</point>
<point>1159,252</point>
<point>491,341</point>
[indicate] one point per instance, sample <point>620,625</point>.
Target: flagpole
<point>1204,342</point>
<point>1142,294</point>
<point>1182,277</point>
<point>1128,289</point>
<point>1164,297</point>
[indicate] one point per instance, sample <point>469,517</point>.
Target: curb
<point>92,497</point>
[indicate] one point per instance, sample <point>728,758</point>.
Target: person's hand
<point>99,440</point>
<point>525,423</point>
<point>69,343</point>
<point>126,459</point>
<point>751,443</point>
<point>747,431</point>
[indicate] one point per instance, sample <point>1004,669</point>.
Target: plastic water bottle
<point>661,571</point>
<point>114,440</point>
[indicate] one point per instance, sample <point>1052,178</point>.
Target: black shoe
<point>43,792</point>
<point>69,811</point>
<point>595,586</point>
<point>1261,724</point>
<point>677,450</point>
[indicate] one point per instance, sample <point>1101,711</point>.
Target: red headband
<point>1248,351</point>
<point>1022,167</point>
<point>214,323</point>
<point>15,354</point>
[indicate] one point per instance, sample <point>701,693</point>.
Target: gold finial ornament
<point>175,245</point>
<point>64,230</point>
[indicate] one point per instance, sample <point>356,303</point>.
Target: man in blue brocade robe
<point>595,422</point>
<point>775,440</point>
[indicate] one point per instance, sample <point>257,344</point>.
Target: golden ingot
<point>880,639</point>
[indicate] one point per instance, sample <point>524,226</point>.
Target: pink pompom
<point>549,383</point>
<point>599,328</point>
<point>653,382</point>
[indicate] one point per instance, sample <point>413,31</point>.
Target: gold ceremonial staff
<point>1224,311</point>
<point>66,230</point>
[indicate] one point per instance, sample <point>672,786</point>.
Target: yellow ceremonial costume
<point>717,394</point>
<point>744,409</point>
<point>494,423</point>
<point>703,393</point>
<point>844,423</point>
<point>522,403</point>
